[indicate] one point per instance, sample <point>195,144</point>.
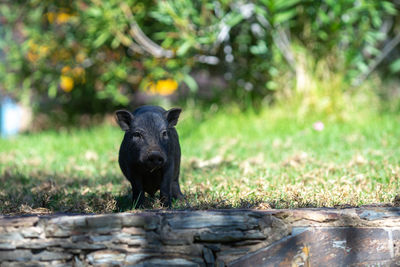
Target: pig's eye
<point>164,134</point>
<point>137,135</point>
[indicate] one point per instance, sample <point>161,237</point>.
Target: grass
<point>230,160</point>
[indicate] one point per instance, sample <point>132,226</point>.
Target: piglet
<point>150,153</point>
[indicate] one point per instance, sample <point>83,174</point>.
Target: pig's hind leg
<point>176,190</point>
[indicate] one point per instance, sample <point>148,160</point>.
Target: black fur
<point>150,153</point>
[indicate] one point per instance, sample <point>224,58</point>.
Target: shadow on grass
<point>42,193</point>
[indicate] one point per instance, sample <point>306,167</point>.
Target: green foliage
<point>92,55</point>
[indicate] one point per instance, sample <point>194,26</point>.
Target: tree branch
<point>385,52</point>
<point>281,40</point>
<point>145,42</point>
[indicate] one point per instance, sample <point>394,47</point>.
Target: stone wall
<point>317,237</point>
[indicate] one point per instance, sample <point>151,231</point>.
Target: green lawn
<point>229,160</point>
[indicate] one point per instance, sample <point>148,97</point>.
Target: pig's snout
<point>155,159</point>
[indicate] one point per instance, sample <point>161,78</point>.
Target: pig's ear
<point>172,116</point>
<point>124,118</point>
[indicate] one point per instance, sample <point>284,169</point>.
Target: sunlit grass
<point>230,160</point>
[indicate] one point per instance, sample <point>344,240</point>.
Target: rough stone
<point>12,236</point>
<point>213,247</point>
<point>325,247</point>
<point>32,232</point>
<point>205,238</point>
<point>7,245</point>
<point>24,264</point>
<point>193,250</point>
<point>104,223</point>
<point>39,244</point>
<point>231,254</point>
<point>167,263</point>
<point>77,262</point>
<point>208,256</point>
<point>176,237</point>
<point>130,240</point>
<point>83,245</point>
<point>65,226</point>
<point>232,236</point>
<point>210,219</point>
<point>18,221</point>
<point>15,255</point>
<point>109,257</point>
<point>372,214</point>
<point>137,257</point>
<point>133,230</point>
<point>51,256</point>
<point>219,263</point>
<point>146,221</point>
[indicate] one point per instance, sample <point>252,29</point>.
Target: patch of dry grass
<point>229,161</point>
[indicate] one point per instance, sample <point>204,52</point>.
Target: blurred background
<point>73,62</point>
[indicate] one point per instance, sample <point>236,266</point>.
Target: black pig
<point>150,153</point>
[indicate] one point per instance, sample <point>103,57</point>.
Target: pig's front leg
<point>137,193</point>
<point>165,190</point>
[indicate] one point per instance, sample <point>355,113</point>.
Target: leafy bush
<point>93,55</point>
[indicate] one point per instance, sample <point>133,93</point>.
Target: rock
<point>194,250</point>
<point>39,244</point>
<point>210,219</point>
<point>231,236</point>
<point>104,223</point>
<point>13,236</point>
<point>133,230</point>
<point>208,256</point>
<point>136,257</point>
<point>65,226</point>
<point>176,237</point>
<point>146,221</point>
<point>19,221</point>
<point>167,263</point>
<point>128,239</point>
<point>219,263</point>
<point>73,225</point>
<point>23,264</point>
<point>51,255</point>
<point>108,257</point>
<point>32,232</point>
<point>83,246</point>
<point>77,262</point>
<point>213,247</point>
<point>7,245</point>
<point>16,255</point>
<point>204,238</point>
<point>231,254</point>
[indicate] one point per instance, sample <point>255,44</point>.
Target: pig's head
<point>148,135</point>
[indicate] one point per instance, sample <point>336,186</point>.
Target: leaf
<point>283,4</point>
<point>184,48</point>
<point>395,66</point>
<point>101,39</point>
<point>52,92</point>
<point>389,7</point>
<point>190,82</point>
<point>284,16</point>
<point>233,18</point>
<point>259,49</point>
<point>94,12</point>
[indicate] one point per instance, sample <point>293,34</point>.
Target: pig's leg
<point>165,190</point>
<point>176,190</point>
<point>137,193</point>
